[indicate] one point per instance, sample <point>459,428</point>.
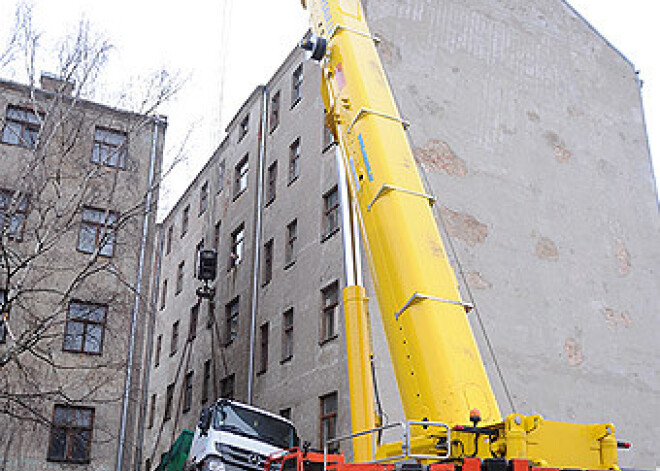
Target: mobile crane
<point>439,371</point>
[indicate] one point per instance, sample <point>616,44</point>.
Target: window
<point>3,319</point>
<point>187,391</point>
<point>237,243</point>
<point>296,85</point>
<point>231,321</point>
<point>271,182</point>
<point>263,344</point>
<point>291,237</point>
<point>287,335</point>
<point>206,381</point>
<point>330,212</point>
<point>204,198</point>
<point>268,262</point>
<point>97,231</point>
<point>294,160</point>
<point>274,111</point>
<point>328,136</point>
<point>179,278</point>
<point>328,421</point>
<point>169,399</point>
<point>109,148</point>
<point>163,295</point>
<point>13,212</point>
<point>330,297</point>
<point>241,176</point>
<point>192,329</point>
<point>168,242</point>
<point>216,235</point>
<point>227,387</point>
<point>243,127</point>
<point>159,347</point>
<point>221,176</point>
<point>185,218</point>
<point>152,411</point>
<point>174,344</point>
<point>21,127</point>
<point>286,413</point>
<point>85,325</point>
<point>71,434</point>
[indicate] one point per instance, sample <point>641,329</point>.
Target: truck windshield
<point>232,418</point>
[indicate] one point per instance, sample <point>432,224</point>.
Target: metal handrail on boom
<point>405,441</point>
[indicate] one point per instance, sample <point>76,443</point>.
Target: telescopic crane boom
<point>439,371</point>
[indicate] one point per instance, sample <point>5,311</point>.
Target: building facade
<point>78,191</point>
<point>528,129</point>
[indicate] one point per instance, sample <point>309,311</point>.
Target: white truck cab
<point>232,436</point>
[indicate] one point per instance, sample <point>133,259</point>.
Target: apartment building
<point>528,129</point>
<point>78,191</point>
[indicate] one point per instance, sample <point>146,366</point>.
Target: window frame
<point>264,334</point>
<point>70,432</point>
<point>237,247</point>
<point>244,127</point>
<point>206,381</point>
<point>185,220</point>
<point>168,240</point>
<point>16,211</point>
<point>232,313</point>
<point>290,254</point>
<point>328,417</point>
<point>32,127</point>
<point>194,318</point>
<point>179,278</point>
<point>330,220</point>
<point>275,111</point>
<point>152,411</point>
<point>287,335</point>
<point>158,350</point>
<point>271,183</point>
<point>119,151</point>
<point>294,160</point>
<point>169,402</point>
<point>241,175</point>
<point>297,78</point>
<point>187,391</point>
<point>174,340</point>
<point>163,295</point>
<point>329,310</point>
<point>86,324</point>
<point>267,273</point>
<point>203,198</point>
<point>105,232</point>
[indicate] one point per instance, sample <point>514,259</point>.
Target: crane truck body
<point>231,436</point>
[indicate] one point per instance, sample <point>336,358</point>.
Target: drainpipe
<point>257,242</point>
<point>157,260</point>
<point>138,293</point>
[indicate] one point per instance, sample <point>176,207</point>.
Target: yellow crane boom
<point>438,367</point>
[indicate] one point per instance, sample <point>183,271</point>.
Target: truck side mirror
<point>204,422</point>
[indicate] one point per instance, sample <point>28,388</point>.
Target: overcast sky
<point>249,39</point>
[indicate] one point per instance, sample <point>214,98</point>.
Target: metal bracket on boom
<point>419,296</point>
<point>363,111</point>
<point>356,31</point>
<point>385,188</point>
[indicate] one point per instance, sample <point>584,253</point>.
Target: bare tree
<point>78,191</point>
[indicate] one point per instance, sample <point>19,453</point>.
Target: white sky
<point>249,39</point>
